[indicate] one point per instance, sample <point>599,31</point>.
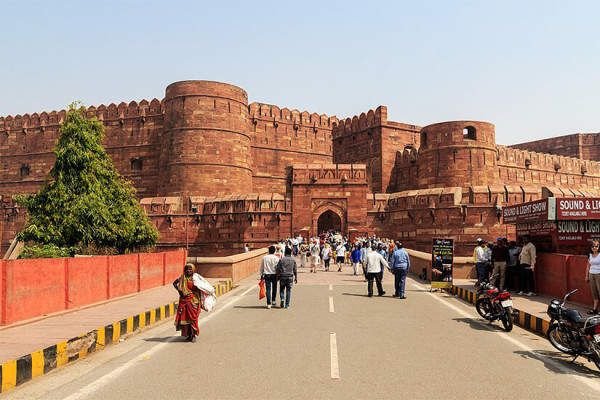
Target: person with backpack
<point>288,275</point>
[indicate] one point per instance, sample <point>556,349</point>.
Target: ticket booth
<point>557,225</point>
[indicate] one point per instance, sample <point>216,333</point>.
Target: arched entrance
<point>327,221</point>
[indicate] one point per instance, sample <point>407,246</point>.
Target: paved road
<point>430,345</point>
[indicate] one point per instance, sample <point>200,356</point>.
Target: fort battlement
<point>579,145</point>
<point>215,171</point>
<point>273,113</point>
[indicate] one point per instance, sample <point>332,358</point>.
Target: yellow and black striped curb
<point>525,320</point>
<point>16,372</point>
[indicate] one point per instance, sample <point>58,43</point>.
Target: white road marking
<point>330,286</point>
<point>91,387</point>
<point>565,370</point>
<point>331,304</point>
<point>335,369</point>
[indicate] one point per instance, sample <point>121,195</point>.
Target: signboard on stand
<point>442,263</point>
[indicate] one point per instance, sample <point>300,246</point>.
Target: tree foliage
<point>87,202</point>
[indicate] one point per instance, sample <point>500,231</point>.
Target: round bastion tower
<point>458,153</point>
<point>205,146</point>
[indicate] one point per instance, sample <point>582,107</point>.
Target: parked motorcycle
<point>572,334</point>
<point>493,304</point>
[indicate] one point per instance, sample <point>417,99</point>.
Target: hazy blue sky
<point>530,67</point>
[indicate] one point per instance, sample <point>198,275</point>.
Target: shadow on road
<point>263,306</point>
<point>165,339</point>
<point>475,324</point>
<point>355,294</point>
<point>564,360</point>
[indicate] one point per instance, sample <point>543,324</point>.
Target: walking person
<point>381,250</point>
<point>188,310</point>
<point>592,275</point>
<point>326,255</point>
<point>288,275</point>
<point>400,265</point>
<point>527,260</point>
<point>512,266</point>
<point>314,256</point>
<point>373,265</point>
<point>355,258</point>
<point>500,258</point>
<point>268,274</point>
<point>340,256</point>
<point>481,260</point>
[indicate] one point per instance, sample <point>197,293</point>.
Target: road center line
<point>330,286</point>
<point>335,369</point>
<point>91,387</point>
<point>331,304</point>
<point>565,370</point>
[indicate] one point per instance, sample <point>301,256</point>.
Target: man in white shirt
<point>267,272</point>
<point>340,256</point>
<point>481,258</point>
<point>374,263</point>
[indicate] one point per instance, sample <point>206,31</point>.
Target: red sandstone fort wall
<point>221,225</point>
<point>579,145</point>
<point>372,140</point>
<point>131,139</point>
<point>281,138</point>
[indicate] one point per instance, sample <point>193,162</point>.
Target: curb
<point>16,372</point>
<point>525,320</point>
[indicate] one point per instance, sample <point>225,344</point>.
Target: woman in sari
<point>186,318</point>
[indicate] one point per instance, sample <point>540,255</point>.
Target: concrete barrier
<point>236,267</point>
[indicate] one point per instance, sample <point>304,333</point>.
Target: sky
<point>529,67</point>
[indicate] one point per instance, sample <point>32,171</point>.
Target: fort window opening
<point>469,133</point>
<point>137,164</point>
<point>24,170</point>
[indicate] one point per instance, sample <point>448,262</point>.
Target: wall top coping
<point>230,259</point>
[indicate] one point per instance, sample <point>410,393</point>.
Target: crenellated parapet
<point>25,124</point>
<point>360,123</point>
<point>518,158</point>
<point>267,112</point>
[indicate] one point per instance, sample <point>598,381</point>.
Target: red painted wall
<point>34,288</point>
<point>30,288</point>
<point>174,262</point>
<point>151,270</point>
<point>558,274</point>
<point>123,275</point>
<point>87,278</point>
<point>2,290</point>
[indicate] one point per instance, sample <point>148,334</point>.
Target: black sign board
<point>442,263</point>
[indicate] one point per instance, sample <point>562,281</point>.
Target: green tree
<point>87,203</point>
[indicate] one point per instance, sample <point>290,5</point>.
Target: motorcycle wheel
<point>484,308</point>
<point>558,337</point>
<point>507,319</point>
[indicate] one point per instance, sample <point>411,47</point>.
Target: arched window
<point>469,133</point>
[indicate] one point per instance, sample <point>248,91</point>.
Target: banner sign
<point>539,228</point>
<point>539,210</point>
<point>442,263</point>
<point>578,232</point>
<point>586,208</point>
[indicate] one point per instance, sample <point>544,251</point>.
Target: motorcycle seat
<point>575,318</point>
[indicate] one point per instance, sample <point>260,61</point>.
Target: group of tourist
<point>504,261</point>
<point>368,256</point>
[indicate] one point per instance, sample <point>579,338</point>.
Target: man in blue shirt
<point>399,264</point>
